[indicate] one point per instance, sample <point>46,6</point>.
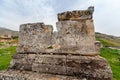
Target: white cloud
<point>17,12</point>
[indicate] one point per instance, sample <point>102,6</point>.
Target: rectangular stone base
<point>27,75</point>
<point>69,65</point>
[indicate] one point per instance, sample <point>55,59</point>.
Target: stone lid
<point>76,14</point>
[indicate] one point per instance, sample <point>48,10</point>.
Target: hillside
<point>108,40</point>
<point>5,31</point>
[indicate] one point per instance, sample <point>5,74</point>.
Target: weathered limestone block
<point>73,37</point>
<point>42,63</point>
<point>76,37</point>
<point>34,37</point>
<point>69,65</point>
<point>22,62</point>
<point>25,75</point>
<point>89,67</point>
<point>98,45</point>
<point>78,67</point>
<point>76,15</point>
<point>54,64</point>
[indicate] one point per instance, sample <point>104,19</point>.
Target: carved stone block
<point>34,37</point>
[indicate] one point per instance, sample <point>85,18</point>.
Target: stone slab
<point>26,75</point>
<point>34,37</point>
<point>70,65</point>
<point>73,37</point>
<point>76,15</point>
<point>76,37</point>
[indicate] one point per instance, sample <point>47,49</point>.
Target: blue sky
<point>16,12</point>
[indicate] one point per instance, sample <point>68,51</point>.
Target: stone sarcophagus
<point>68,54</point>
<point>73,36</point>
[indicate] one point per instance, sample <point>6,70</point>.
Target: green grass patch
<point>112,57</point>
<point>6,56</point>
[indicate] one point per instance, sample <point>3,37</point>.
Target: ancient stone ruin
<point>68,54</point>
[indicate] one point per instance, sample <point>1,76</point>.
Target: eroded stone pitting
<point>71,53</point>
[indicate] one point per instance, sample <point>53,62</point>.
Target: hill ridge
<point>6,31</point>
